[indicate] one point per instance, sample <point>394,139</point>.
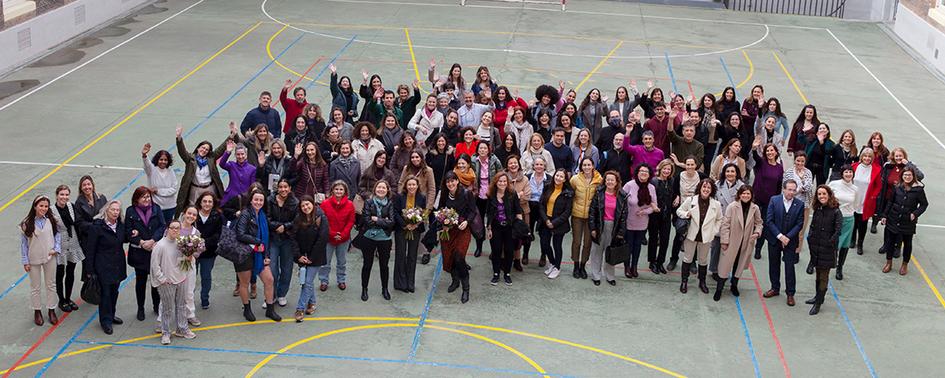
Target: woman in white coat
<point>426,121</point>
<point>704,213</point>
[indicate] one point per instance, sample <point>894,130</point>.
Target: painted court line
<point>426,311</point>
<point>672,76</point>
<point>106,52</point>
<point>96,166</point>
<point>751,348</point>
<point>598,66</point>
<point>856,339</point>
<point>764,307</point>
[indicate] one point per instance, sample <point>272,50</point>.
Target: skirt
<point>454,249</point>
<point>846,233</point>
<point>71,251</point>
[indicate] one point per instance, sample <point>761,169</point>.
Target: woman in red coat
<point>339,211</point>
<point>504,101</point>
<point>866,177</point>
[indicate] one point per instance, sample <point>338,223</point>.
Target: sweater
<point>682,149</point>
<point>767,181</point>
<point>258,115</point>
<point>638,222</point>
<point>641,155</point>
<point>165,263</point>
<point>165,181</point>
<point>660,132</point>
<point>408,107</point>
<point>561,156</point>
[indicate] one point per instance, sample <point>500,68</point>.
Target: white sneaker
<point>282,301</point>
<point>194,322</point>
<point>190,335</point>
<point>264,305</point>
<point>548,271</point>
<point>166,339</point>
<point>554,273</point>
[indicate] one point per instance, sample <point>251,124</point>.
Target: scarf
<point>392,135</point>
<point>467,179</point>
<point>66,216</point>
<point>263,230</point>
<point>345,161</point>
<point>144,213</point>
<point>201,161</point>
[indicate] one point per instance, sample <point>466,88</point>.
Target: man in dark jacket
<point>560,152</point>
<point>263,114</point>
<point>616,159</point>
<point>782,229</point>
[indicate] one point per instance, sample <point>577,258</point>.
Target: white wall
<point>29,40</point>
<point>922,37</point>
<point>869,10</point>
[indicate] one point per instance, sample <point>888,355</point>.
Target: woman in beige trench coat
<point>741,227</point>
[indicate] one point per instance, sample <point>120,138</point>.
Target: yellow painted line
<point>514,351</point>
<point>751,70</point>
<point>791,78</point>
<point>599,65</point>
<point>127,118</point>
<point>929,281</point>
<point>278,63</point>
<point>413,57</point>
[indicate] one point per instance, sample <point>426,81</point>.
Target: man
<point>407,103</point>
<point>616,159</point>
<point>292,107</point>
<point>687,145</point>
<point>383,105</point>
<point>470,113</point>
<point>659,125</point>
<point>783,227</point>
<point>560,152</point>
<point>265,114</point>
<point>647,153</point>
<point>614,126</point>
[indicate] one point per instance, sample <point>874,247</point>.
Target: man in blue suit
<point>783,225</point>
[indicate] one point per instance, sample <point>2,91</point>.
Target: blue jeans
<point>168,214</point>
<point>205,269</point>
<point>308,289</point>
<point>281,264</point>
<point>635,239</point>
<point>339,252</point>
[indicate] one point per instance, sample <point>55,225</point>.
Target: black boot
<point>271,312</point>
<point>364,295</point>
<point>576,270</point>
<point>873,226</point>
<point>248,312</point>
<point>465,297</point>
<point>815,309</point>
<point>517,265</point>
<point>703,269</point>
<point>842,258</point>
<point>810,267</point>
<point>584,270</point>
<point>425,259</point>
<point>812,300</point>
<point>719,286</point>
<point>385,294</point>
<point>757,253</point>
<point>859,249</point>
<point>735,287</point>
<point>453,285</point>
<point>684,285</point>
<point>672,265</point>
<point>478,248</point>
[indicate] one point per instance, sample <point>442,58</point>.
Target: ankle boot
<point>453,285</point>
<point>703,269</point>
<point>465,296</point>
<point>364,294</point>
<point>719,286</point>
<point>271,312</point>
<point>839,274</point>
<point>672,265</point>
<point>841,258</point>
<point>53,319</point>
<point>810,267</point>
<point>735,287</point>
<point>904,269</point>
<point>684,285</point>
<point>248,312</point>
<point>38,317</point>
<point>859,249</point>
<point>815,309</point>
<point>888,266</point>
<point>517,264</point>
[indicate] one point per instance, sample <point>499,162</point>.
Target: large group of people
<point>701,180</point>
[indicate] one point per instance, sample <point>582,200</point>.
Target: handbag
<point>91,291</point>
<point>617,254</point>
<point>520,229</point>
<point>476,227</point>
<point>231,248</point>
<point>681,225</point>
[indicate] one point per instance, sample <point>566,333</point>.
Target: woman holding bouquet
<point>169,278</point>
<point>188,227</point>
<point>455,237</point>
<point>409,211</point>
<point>310,233</point>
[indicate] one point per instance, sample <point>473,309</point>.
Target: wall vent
<point>80,15</point>
<point>24,39</point>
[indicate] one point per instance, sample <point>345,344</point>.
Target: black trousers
<point>141,285</point>
<point>503,249</point>
<point>891,241</point>
<point>764,230</point>
<point>859,229</point>
<point>405,260</point>
<point>481,204</point>
<point>659,239</point>
<point>534,208</point>
<point>823,275</point>
<point>65,280</point>
<point>382,248</point>
<point>106,309</point>
<point>776,253</point>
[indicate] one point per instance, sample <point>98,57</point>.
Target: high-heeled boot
<point>703,269</point>
<point>684,285</point>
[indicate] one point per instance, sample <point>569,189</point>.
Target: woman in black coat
<point>604,232</point>
<point>823,240</point>
<point>105,259</point>
<point>210,224</point>
<point>900,215</point>
<point>502,211</point>
<point>407,236</point>
<point>553,225</point>
<point>375,225</point>
<point>454,248</point>
<point>146,218</point>
<point>310,237</point>
<point>87,205</point>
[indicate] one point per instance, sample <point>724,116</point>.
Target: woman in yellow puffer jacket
<point>585,184</point>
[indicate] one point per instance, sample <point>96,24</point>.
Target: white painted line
<point>262,6</point>
<point>9,162</point>
<point>931,226</point>
<point>76,68</point>
<point>889,92</point>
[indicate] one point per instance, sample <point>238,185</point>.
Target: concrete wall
<point>34,38</point>
<point>925,39</point>
<point>869,10</point>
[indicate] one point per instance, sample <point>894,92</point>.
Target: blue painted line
<point>426,311</point>
<point>140,174</point>
<point>13,285</point>
<point>671,75</point>
<point>856,339</point>
<point>727,72</point>
<point>321,356</point>
<point>332,61</point>
<point>751,348</point>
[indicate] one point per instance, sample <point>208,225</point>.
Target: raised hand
<point>332,68</point>
<point>288,83</point>
<point>649,84</point>
<point>416,84</point>
<point>233,128</point>
<point>603,99</point>
<point>261,157</point>
<point>633,84</point>
<point>146,149</point>
<point>379,93</point>
<point>230,145</point>
<point>364,75</point>
<point>561,85</point>
<point>298,149</point>
<point>179,131</point>
<point>432,63</point>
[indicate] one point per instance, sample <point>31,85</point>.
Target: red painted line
<point>691,92</point>
<point>774,335</point>
<point>304,74</point>
<point>39,342</point>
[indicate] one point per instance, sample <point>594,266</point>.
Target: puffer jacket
<point>903,204</point>
<point>561,214</point>
<point>596,215</point>
<point>583,193</point>
<point>281,215</point>
<point>824,236</point>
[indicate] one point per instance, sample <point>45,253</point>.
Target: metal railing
<point>823,8</point>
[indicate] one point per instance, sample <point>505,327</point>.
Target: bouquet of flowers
<point>447,217</point>
<point>189,245</point>
<point>412,216</point>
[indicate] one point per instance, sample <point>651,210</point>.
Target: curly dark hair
<point>547,90</point>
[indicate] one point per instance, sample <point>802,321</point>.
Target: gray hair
<point>101,213</point>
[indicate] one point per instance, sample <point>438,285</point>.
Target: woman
<point>585,184</point>
<point>210,224</point>
<point>537,179</point>
<point>343,96</point>
<point>345,168</point>
<point>105,259</point>
<point>649,100</point>
<point>314,119</point>
<point>161,179</point>
<point>301,133</point>
<point>544,123</point>
<point>593,111</point>
<point>741,228</point>
<point>892,173</point>
<point>730,154</point>
<point>440,159</point>
<point>310,235</point>
<point>706,130</point>
<point>728,103</point>
<point>704,213</point>
<point>401,157</point>
<point>900,216</point>
<point>505,105</point>
<point>40,249</point>
<point>518,127</point>
<point>451,128</point>
<point>87,205</point>
<point>454,77</point>
<point>278,165</point>
<point>876,142</point>
<point>368,88</point>
<point>187,227</point>
<point>487,133</point>
<point>805,192</point>
<point>283,207</point>
<point>546,97</point>
<point>483,81</point>
<point>377,223</point>
<point>731,129</point>
<point>766,134</point>
<point>844,153</point>
<point>485,166</point>
<point>417,168</point>
<point>200,171</point>
<point>623,104</point>
<point>583,147</point>
<point>536,150</point>
<point>608,216</point>
<point>171,282</point>
<point>71,252</point>
<point>661,220</point>
<point>427,121</point>
<point>465,174</point>
<point>345,128</point>
<point>845,191</point>
<point>686,185</point>
<point>469,145</point>
<point>330,144</point>
<point>566,123</point>
<point>508,148</point>
<point>145,217</point>
<point>820,153</point>
<point>773,110</point>
<point>241,172</point>
<point>805,125</point>
<point>366,146</point>
<point>454,247</point>
<point>768,175</point>
<point>825,233</point>
<point>554,215</point>
<point>312,171</point>
<point>256,142</point>
<point>518,183</point>
<point>391,133</point>
<point>339,211</point>
<point>407,235</point>
<point>503,210</point>
<point>377,171</point>
<point>252,228</point>
<point>641,202</point>
<point>752,106</point>
<point>866,177</point>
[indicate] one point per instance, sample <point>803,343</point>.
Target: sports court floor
<point>202,63</point>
